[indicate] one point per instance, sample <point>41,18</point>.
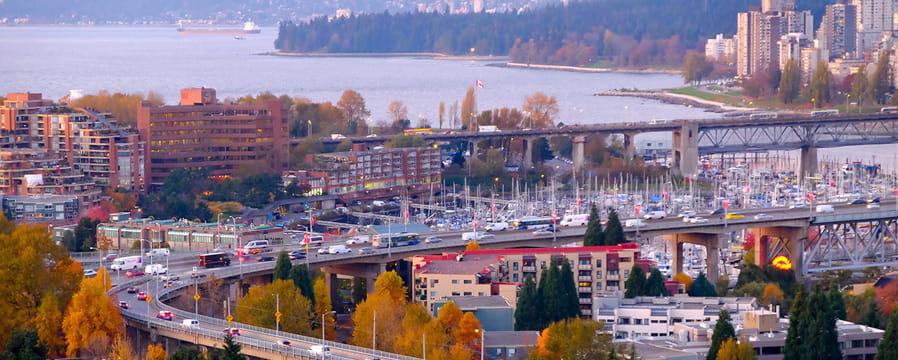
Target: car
<point>688,218</point>
<point>796,206</point>
<point>133,290</point>
<point>232,331</point>
<point>698,220</point>
<point>734,216</point>
<point>857,202</point>
<point>873,205</point>
<point>323,250</point>
<point>717,212</point>
<point>763,217</point>
<point>654,215</point>
<point>297,254</point>
<point>265,258</point>
<point>168,284</point>
<point>547,231</point>
<point>285,343</point>
<point>371,136</point>
<point>687,213</point>
<point>89,273</point>
<point>197,275</point>
<point>134,273</point>
<point>320,350</point>
<point>366,250</point>
<point>166,315</point>
<point>110,257</point>
<point>142,296</point>
<point>123,305</point>
<point>432,240</point>
<point>873,200</point>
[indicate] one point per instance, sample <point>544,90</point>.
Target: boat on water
<point>249,27</point>
<point>239,37</point>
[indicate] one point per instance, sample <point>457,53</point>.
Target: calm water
<point>53,60</point>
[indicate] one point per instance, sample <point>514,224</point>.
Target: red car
<point>166,315</point>
<point>134,273</point>
<point>142,296</point>
<point>230,331</point>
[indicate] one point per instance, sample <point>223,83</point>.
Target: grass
<point>601,64</point>
<point>691,91</point>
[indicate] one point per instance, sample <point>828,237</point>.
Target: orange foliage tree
<point>91,321</point>
<point>156,352</point>
<point>573,339</point>
<point>888,297</point>
<point>388,304</point>
<point>472,245</point>
<point>772,295</point>
<point>541,109</point>
<point>683,278</point>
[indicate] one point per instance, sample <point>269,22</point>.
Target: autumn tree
<point>732,350</point>
<point>790,83</point>
<point>123,107</point>
<point>882,78</point>
<point>398,113</point>
<point>723,331</point>
<point>472,245</point>
<point>683,278</point>
<point>414,324</point>
<point>388,303</point>
<point>468,109</point>
<point>635,284</point>
<point>442,113</point>
<point>91,321</point>
<point>156,352</point>
<point>352,107</point>
<point>696,68</point>
<point>323,306</point>
<point>48,324</point>
<point>468,333</point>
<point>772,295</point>
<point>860,86</point>
<point>593,235</point>
<point>818,91</point>
<point>541,109</point>
<point>259,305</point>
<point>121,350</point>
<point>573,339</point>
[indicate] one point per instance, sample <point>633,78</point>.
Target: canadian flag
<point>479,84</point>
<point>311,220</point>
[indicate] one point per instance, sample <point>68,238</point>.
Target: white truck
<point>158,252</point>
<point>474,236</point>
<point>575,220</point>
<point>497,226</point>
<point>488,129</point>
<point>155,269</point>
<point>126,263</point>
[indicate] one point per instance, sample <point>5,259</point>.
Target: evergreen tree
<point>860,86</point>
<point>593,235</point>
<point>836,302</point>
<point>818,91</point>
<point>614,232</point>
<point>186,353</point>
<point>792,348</point>
<point>723,331</point>
<point>283,267</point>
<point>569,298</point>
<point>819,339</point>
<point>790,83</point>
<point>888,347</point>
<point>230,350</point>
<point>552,295</point>
<point>635,284</point>
<point>702,287</point>
<point>881,81</point>
<point>24,345</point>
<point>529,309</point>
<point>543,291</point>
<point>303,280</point>
<point>872,317</point>
<point>654,286</point>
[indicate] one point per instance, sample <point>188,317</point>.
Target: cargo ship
<point>249,27</point>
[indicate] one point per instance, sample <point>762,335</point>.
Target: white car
<point>688,218</point>
<point>698,220</point>
<point>687,213</point>
<point>654,215</point>
<point>358,240</point>
<point>763,217</point>
<point>89,273</point>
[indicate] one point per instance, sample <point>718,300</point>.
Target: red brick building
<point>201,133</point>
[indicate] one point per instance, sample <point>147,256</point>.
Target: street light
<point>482,337</point>
<point>277,313</point>
<point>322,324</point>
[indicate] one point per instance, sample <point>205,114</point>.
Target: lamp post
<point>374,332</point>
<point>277,313</point>
<point>482,338</point>
<point>309,133</point>
<point>322,324</point>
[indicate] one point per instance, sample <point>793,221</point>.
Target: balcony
<point>584,278</point>
<point>584,289</point>
<point>612,288</point>
<point>586,300</point>
<point>612,277</point>
<point>528,268</point>
<point>584,267</point>
<point>586,312</point>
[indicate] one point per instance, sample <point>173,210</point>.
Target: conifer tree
<point>702,287</point>
<point>552,295</point>
<point>303,280</point>
<point>593,235</point>
<point>614,232</point>
<point>836,302</point>
<point>635,283</point>
<point>792,348</point>
<point>723,331</point>
<point>543,292</point>
<point>283,267</point>
<point>819,339</point>
<point>888,347</point>
<point>654,286</point>
<point>872,317</point>
<point>529,309</point>
<point>569,298</point>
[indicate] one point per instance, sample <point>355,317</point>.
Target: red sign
<point>726,203</point>
<point>475,224</point>
<point>580,201</point>
<point>810,196</point>
<point>406,213</point>
<point>307,238</point>
<point>636,209</point>
<point>554,217</point>
<point>665,194</point>
<point>493,206</point>
<point>896,191</point>
<point>311,220</point>
<point>239,252</point>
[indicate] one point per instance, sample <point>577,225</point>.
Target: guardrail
<point>864,216</point>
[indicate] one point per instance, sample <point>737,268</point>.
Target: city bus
<point>825,113</point>
<point>421,131</point>
<point>395,240</point>
<point>763,116</point>
<point>889,110</point>
<point>532,223</point>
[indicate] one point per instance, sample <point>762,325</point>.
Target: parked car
<point>763,217</point>
<point>142,296</point>
<point>166,315</point>
<point>123,305</point>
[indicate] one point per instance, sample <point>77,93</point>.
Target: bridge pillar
<point>711,242</point>
<point>473,147</point>
<point>771,242</point>
<point>685,150</point>
<point>528,154</point>
<point>629,148</point>
<point>808,161</point>
<point>577,154</point>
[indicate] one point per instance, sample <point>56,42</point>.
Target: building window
<point>514,266</point>
<point>468,282</point>
<point>584,261</point>
<point>454,281</point>
<point>481,294</point>
<point>599,275</point>
<point>542,264</point>
<point>467,293</point>
<point>456,293</point>
<point>514,277</point>
<point>599,285</point>
<point>626,273</point>
<point>599,263</point>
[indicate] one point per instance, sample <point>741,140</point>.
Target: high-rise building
<point>873,18</point>
<point>801,22</point>
<point>203,133</point>
<point>810,58</point>
<point>790,46</point>
<point>756,40</point>
<point>720,49</point>
<point>838,30</point>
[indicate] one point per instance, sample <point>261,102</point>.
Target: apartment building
<point>184,235</point>
<point>39,172</point>
<point>654,317</point>
<point>52,209</point>
<point>203,133</point>
<point>439,277</point>
<point>720,48</point>
<point>873,18</point>
<point>838,30</point>
<point>757,36</point>
<point>790,46</point>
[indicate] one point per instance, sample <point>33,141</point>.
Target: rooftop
<point>468,303</point>
<point>469,265</point>
<point>571,250</point>
<point>44,199</point>
<point>511,338</point>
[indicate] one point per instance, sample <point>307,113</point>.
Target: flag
<point>479,84</point>
<point>311,221</point>
<point>219,227</point>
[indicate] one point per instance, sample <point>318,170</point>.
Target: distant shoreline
<point>586,69</point>
<point>676,99</point>
<point>430,55</point>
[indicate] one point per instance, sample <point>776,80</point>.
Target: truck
<point>474,236</point>
<point>575,220</point>
<point>155,269</point>
<point>158,252</point>
<point>214,259</point>
<point>488,129</point>
<point>497,226</point>
<point>126,263</point>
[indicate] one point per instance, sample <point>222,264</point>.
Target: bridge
<point>692,138</point>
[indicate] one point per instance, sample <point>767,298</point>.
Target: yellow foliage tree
<point>258,308</point>
<point>121,350</point>
<point>450,316</point>
<point>731,350</point>
<point>573,339</point>
<point>414,325</point>
<point>772,295</point>
<point>91,321</point>
<point>156,352</point>
<point>323,306</point>
<point>683,278</point>
<point>469,333</point>
<point>472,245</point>
<point>48,324</point>
<point>388,304</point>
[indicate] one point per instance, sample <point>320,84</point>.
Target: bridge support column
<point>808,161</point>
<point>676,259</point>
<point>577,154</point>
<point>685,150</point>
<point>771,242</point>
<point>473,148</point>
<point>711,242</point>
<point>330,281</point>
<point>528,154</point>
<point>629,148</point>
<point>712,257</point>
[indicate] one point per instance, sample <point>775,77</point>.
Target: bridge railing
<point>864,216</point>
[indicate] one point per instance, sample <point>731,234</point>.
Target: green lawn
<point>718,97</point>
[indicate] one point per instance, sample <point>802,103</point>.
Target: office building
<point>838,30</point>
<point>810,59</point>
<point>203,133</point>
<point>801,22</point>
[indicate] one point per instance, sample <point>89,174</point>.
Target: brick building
<point>203,133</point>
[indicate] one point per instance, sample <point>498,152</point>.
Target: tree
<point>529,307</point>
<point>230,350</point>
<point>467,334</point>
<point>24,345</point>
<point>723,331</point>
<point>442,114</point>
<point>702,287</point>
<point>359,289</point>
<point>259,305</point>
<point>732,350</point>
<point>797,329</point>
<point>573,339</point>
<point>186,353</point>
<point>323,306</point>
<point>541,109</point>
<point>303,280</point>
<point>283,267</point>
<point>654,286</point>
<point>156,352</point>
<point>48,324</point>
<point>388,302</point>
<point>593,235</point>
<point>772,295</point>
<point>836,302</point>
<point>397,112</point>
<point>614,232</point>
<point>696,67</point>
<point>121,350</point>
<point>790,83</point>
<point>570,302</point>
<point>91,321</point>
<point>352,107</point>
<point>882,79</point>
<point>818,338</point>
<point>860,86</point>
<point>344,145</point>
<point>472,245</point>
<point>683,278</point>
<point>722,285</point>
<point>888,347</point>
<point>635,284</point>
<point>818,91</point>
<point>408,141</point>
<point>468,108</point>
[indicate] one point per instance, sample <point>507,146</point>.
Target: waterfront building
<point>655,317</point>
<point>184,235</point>
<point>438,277</point>
<point>720,49</point>
<point>31,172</point>
<point>203,133</point>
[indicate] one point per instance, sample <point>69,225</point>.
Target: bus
<point>763,116</point>
<point>214,259</point>
<point>889,110</point>
<point>825,113</point>
<point>421,131</point>
<point>395,240</point>
<point>532,223</point>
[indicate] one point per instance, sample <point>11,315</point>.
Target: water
<point>53,60</point>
